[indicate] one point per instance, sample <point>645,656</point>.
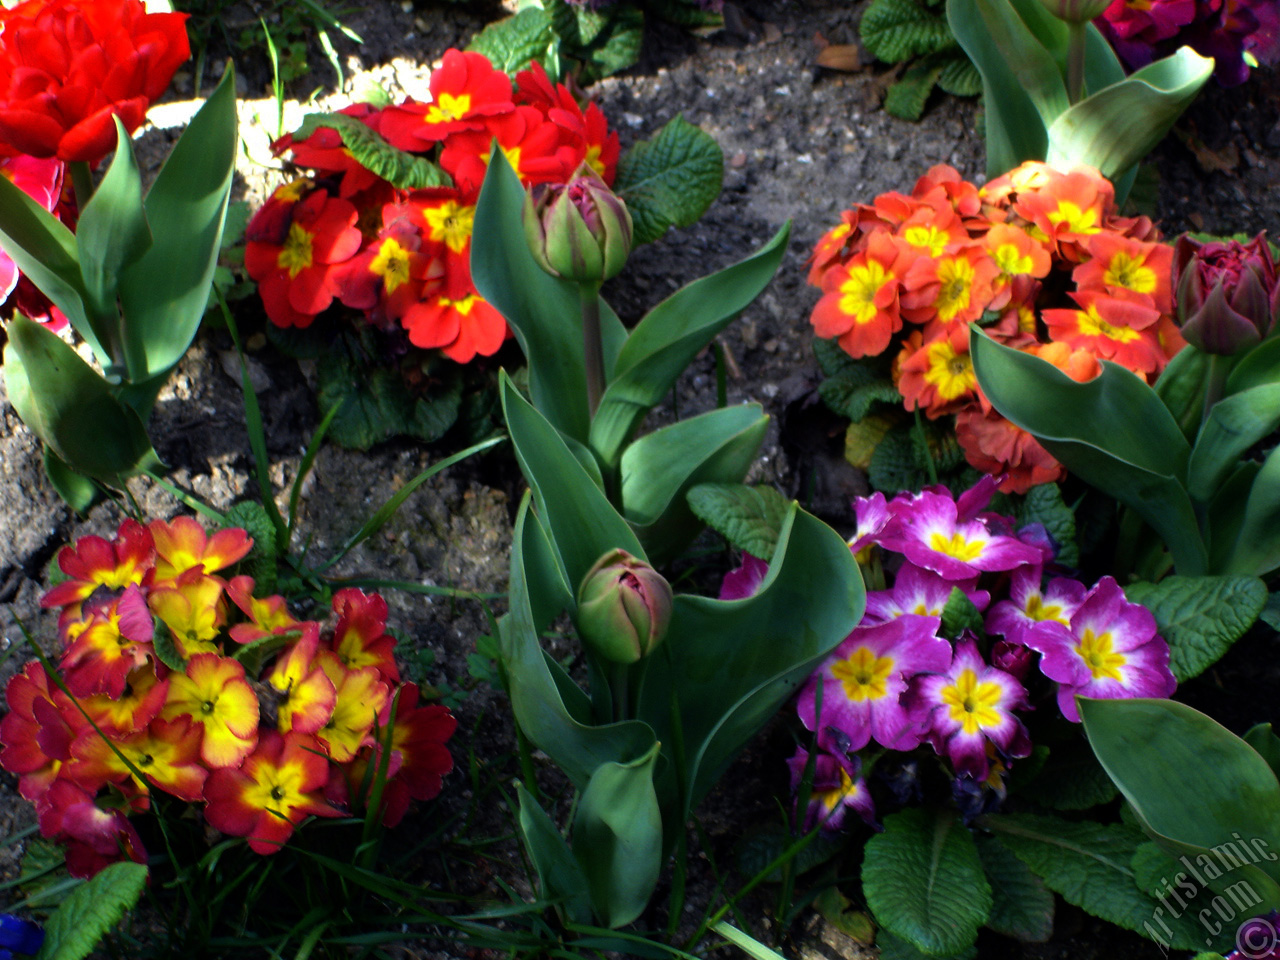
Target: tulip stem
<point>619,683</point>
<point>1215,381</point>
<point>1076,37</point>
<point>592,347</point>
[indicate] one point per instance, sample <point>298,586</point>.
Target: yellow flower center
<point>449,107</point>
<point>956,546</point>
<point>1102,661</point>
<point>464,305</point>
<point>1125,271</point>
<point>927,238</point>
<point>1073,219</point>
<point>295,256</point>
<point>830,799</point>
<point>451,223</point>
<point>1092,325</point>
<point>391,264</point>
<point>863,675</point>
<point>972,704</point>
<point>956,276</point>
<point>950,373</point>
<point>1010,261</point>
<point>1037,609</point>
<point>859,300</point>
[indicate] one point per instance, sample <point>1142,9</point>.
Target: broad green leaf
<point>512,44</point>
<point>166,649</point>
<point>1116,127</point>
<point>750,518</point>
<point>1165,877</point>
<point>611,43</point>
<point>1259,367</point>
<point>898,30</point>
<point>560,876</point>
<point>1257,547</point>
<point>718,446</point>
<point>1148,746</point>
<point>44,249</point>
<point>163,294</point>
<point>577,748</point>
<point>404,171</point>
<point>727,666</point>
<point>544,312</point>
<point>1263,739</point>
<point>1200,617</point>
<point>906,98</point>
<point>667,339</point>
<point>617,837</point>
<point>1181,387</point>
<point>1112,431</point>
<point>1069,779</point>
<point>1088,863</point>
<point>77,491</point>
<point>112,233</point>
<point>91,910</point>
<point>375,404</point>
<point>1226,513</point>
<point>895,948</point>
<point>71,408</point>
<point>1044,505</point>
<point>924,882</point>
<point>669,180</point>
<point>1021,905</point>
<point>582,524</point>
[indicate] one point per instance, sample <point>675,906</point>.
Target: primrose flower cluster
<point>902,681</point>
<point>155,694</point>
<point>402,256</point>
<point>1040,258</point>
<point>1230,31</point>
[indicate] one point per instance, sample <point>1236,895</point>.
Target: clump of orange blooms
<point>1040,258</point>
<point>172,678</point>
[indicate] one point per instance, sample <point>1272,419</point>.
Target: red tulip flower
<point>66,67</point>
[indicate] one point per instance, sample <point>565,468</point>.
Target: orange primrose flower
<point>143,697</point>
<point>1069,209</point>
<point>361,695</point>
<point>948,290</point>
<point>938,376</point>
<point>461,328</point>
<point>194,611</point>
<point>360,638</point>
<point>92,562</point>
<point>167,753</point>
<point>1122,267</point>
<point>270,794</point>
<point>182,544</point>
<point>307,694</point>
<point>994,445</point>
<point>102,649</point>
<point>1114,329</point>
<point>860,307</point>
<point>267,615</point>
<point>215,695</point>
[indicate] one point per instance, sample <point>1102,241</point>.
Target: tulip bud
<point>580,230</point>
<point>624,607</point>
<point>1228,293</point>
<point>1076,11</point>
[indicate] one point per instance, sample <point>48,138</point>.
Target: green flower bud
<point>624,607</point>
<point>580,230</point>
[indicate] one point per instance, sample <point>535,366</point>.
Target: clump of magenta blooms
<point>970,629</point>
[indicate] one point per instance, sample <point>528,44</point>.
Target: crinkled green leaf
<point>959,614</point>
<point>1200,617</point>
<point>749,517</point>
<point>1021,905</point>
<point>854,400</point>
<point>761,847</point>
<point>165,648</point>
<point>404,171</point>
<point>1044,505</point>
<point>906,97</point>
<point>924,882</point>
<point>1069,779</point>
<point>375,404</point>
<point>898,30</point>
<point>91,910</point>
<point>895,948</point>
<point>261,563</point>
<point>959,76</point>
<point>1088,863</point>
<point>511,44</point>
<point>670,180</point>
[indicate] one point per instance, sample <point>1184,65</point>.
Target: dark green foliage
<point>916,32</point>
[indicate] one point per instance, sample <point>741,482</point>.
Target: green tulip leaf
<point>1259,367</point>
<point>582,523</point>
<point>1113,432</point>
<point>727,666</point>
<point>617,838</point>
<point>924,881</point>
<point>1148,747</point>
<point>111,234</point>
<point>163,294</point>
<point>45,250</point>
<point>1200,617</point>
<point>1181,387</point>
<point>576,747</point>
<point>76,490</point>
<point>1256,550</point>
<point>1116,127</point>
<point>1263,739</point>
<point>661,467</point>
<point>669,336</point>
<point>560,876</point>
<point>70,407</point>
<point>544,312</point>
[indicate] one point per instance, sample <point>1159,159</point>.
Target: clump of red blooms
<point>1039,257</point>
<point>259,751</point>
<point>1145,30</point>
<point>402,257</point>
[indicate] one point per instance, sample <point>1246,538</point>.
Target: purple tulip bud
<point>624,607</point>
<point>1012,658</point>
<point>1228,293</point>
<point>580,230</point>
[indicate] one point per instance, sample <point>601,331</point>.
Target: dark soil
<point>801,144</point>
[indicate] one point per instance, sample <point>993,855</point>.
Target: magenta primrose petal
<point>745,580</point>
<point>1031,607</point>
<point>865,677</point>
<point>1111,652</point>
<point>930,534</point>
<point>918,591</point>
<point>969,705</point>
<point>873,515</point>
<point>837,790</point>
